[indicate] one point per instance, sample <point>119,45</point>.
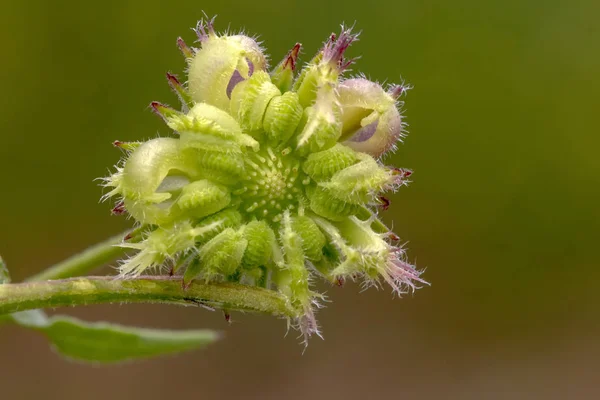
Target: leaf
<point>103,342</point>
<point>4,275</point>
<point>30,318</point>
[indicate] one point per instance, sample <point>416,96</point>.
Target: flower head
<point>272,177</point>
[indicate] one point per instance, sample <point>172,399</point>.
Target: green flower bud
<point>371,121</point>
<point>162,244</point>
<point>151,175</point>
<point>208,128</point>
<point>325,68</point>
<point>261,239</point>
<point>226,168</point>
<point>293,280</point>
<point>220,63</point>
<point>321,166</point>
<point>313,239</point>
<point>271,179</point>
<point>227,218</point>
<point>368,255</point>
<point>220,256</point>
<point>282,118</point>
<point>360,183</point>
<point>147,167</point>
<point>325,203</point>
<point>202,198</point>
<point>250,98</point>
<point>322,125</point>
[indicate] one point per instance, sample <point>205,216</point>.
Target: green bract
<point>270,180</point>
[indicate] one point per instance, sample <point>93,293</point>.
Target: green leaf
<point>103,342</point>
<point>30,318</point>
<point>4,275</point>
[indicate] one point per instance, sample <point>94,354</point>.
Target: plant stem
<point>146,289</point>
<point>89,259</point>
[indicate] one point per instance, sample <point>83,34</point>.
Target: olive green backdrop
<point>504,208</point>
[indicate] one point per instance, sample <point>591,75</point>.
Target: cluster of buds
<point>274,177</point>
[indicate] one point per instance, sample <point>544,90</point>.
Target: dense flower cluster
<point>273,178</point>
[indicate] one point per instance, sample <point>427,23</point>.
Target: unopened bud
<point>371,121</point>
<point>220,63</point>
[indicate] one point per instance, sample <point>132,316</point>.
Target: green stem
<point>147,289</point>
<point>89,259</point>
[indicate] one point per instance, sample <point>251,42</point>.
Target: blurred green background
<point>503,210</point>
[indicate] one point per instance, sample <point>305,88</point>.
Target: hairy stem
<point>89,259</point>
<point>146,289</point>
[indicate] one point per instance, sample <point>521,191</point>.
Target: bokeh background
<point>503,212</point>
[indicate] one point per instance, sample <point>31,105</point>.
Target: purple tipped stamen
<point>345,64</point>
<point>308,325</point>
<point>334,49</point>
<point>205,29</point>
<point>402,276</point>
